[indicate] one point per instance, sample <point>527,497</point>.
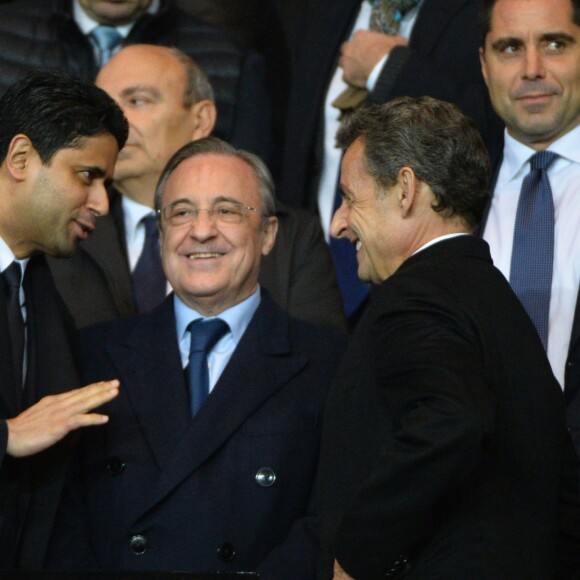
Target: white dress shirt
<point>564,176</point>
<point>332,155</point>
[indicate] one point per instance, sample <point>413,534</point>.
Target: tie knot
<point>13,275</point>
<point>150,223</point>
<point>106,37</point>
<point>542,160</point>
<point>205,334</point>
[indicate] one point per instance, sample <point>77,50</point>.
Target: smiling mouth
<point>358,245</point>
<point>202,255</point>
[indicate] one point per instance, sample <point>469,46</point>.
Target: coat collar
<point>148,359</point>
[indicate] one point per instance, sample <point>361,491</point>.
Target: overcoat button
<point>115,465</point>
<point>138,545</point>
<point>265,477</point>
<point>226,552</point>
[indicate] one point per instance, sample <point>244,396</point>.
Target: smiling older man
<point>211,453</point>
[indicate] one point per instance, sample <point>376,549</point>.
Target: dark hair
<point>56,111</point>
<point>215,145</point>
<point>438,142</point>
<point>486,11</point>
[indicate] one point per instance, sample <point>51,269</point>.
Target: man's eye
<point>87,175</point>
<point>555,46</point>
<point>180,212</point>
<point>227,210</point>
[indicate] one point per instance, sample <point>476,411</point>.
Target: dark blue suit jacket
<point>189,487</point>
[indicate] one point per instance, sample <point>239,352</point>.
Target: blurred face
<point>213,266</point>
<point>531,64</point>
<point>65,197</point>
<point>115,12</point>
<point>367,221</point>
<point>149,85</point>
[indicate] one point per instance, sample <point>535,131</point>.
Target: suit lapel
<point>9,400</point>
<point>151,377</point>
<point>106,247</point>
<point>261,365</point>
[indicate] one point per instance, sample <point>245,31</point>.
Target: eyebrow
<point>130,91</point>
<point>546,37</point>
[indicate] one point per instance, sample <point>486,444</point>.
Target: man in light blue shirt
<point>210,458</point>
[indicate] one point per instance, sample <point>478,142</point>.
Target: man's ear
<point>18,158</point>
<point>270,231</point>
<point>408,190</point>
<point>204,115</point>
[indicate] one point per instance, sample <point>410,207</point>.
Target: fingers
<point>53,417</point>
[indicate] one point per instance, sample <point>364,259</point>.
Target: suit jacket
<point>444,431</point>
<point>96,282</point>
<point>572,374</point>
<point>30,488</point>
<point>225,491</point>
<point>441,61</point>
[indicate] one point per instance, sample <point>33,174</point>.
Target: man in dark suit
<point>65,35</point>
<point>169,102</point>
<point>444,432</point>
<point>227,487</point>
<point>59,139</point>
<point>530,57</point>
<point>433,50</point>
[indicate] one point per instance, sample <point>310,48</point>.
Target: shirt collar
<point>87,24</point>
<point>516,155</point>
<point>7,257</point>
<point>237,317</point>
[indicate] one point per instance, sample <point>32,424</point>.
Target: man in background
<point>530,57</point>
<point>79,36</point>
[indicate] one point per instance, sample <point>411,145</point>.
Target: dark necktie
<point>12,279</point>
<point>204,336</point>
<point>149,281</point>
<point>107,39</point>
<point>386,16</point>
<point>533,250</point>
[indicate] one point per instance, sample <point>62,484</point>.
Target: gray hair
<point>215,145</point>
<point>436,140</point>
<point>197,85</point>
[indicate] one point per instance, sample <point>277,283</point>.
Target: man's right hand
<point>53,417</point>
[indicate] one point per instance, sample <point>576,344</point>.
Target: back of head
<point>56,111</point>
<point>439,143</point>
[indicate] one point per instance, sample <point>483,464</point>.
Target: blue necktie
<point>149,281</point>
<point>107,39</point>
<point>533,250</point>
<point>354,291</point>
<point>204,336</point>
<point>12,279</point>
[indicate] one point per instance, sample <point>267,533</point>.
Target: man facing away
<point>212,452</point>
<point>443,435</point>
<point>59,139</point>
<point>168,102</point>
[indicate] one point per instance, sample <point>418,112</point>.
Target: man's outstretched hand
<point>53,417</point>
